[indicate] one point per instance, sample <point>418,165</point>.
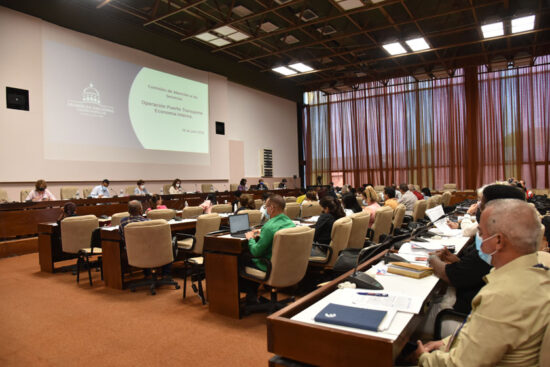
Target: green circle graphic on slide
<point>168,112</point>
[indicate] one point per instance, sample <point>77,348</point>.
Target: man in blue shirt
<point>101,191</point>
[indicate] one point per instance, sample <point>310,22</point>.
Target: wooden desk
<point>49,247</point>
<point>114,258</point>
<point>221,261</point>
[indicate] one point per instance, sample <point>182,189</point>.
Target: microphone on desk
<point>363,280</point>
<point>417,231</point>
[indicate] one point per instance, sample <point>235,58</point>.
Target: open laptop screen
<point>238,223</point>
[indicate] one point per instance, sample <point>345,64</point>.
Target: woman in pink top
<point>208,203</point>
<point>40,193</point>
<point>156,203</point>
<point>371,198</point>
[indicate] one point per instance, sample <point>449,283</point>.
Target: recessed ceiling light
<point>418,44</point>
<point>284,70</point>
<point>225,30</point>
<point>238,36</point>
<point>492,30</point>
<point>290,39</point>
<point>268,27</point>
<point>219,42</point>
<point>350,4</point>
<point>302,68</point>
<point>394,48</point>
<point>206,36</point>
<point>241,11</point>
<point>523,24</point>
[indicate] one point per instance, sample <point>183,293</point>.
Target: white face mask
<point>142,187</point>
<point>178,185</point>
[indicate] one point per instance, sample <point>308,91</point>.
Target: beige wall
<point>256,119</point>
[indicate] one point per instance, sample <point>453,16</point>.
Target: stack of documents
<point>409,270</point>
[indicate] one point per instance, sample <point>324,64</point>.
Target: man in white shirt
<point>408,198</point>
<point>101,191</point>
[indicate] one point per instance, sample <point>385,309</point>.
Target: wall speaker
<point>220,128</point>
<point>17,99</point>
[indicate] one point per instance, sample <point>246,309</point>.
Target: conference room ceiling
<point>344,47</point>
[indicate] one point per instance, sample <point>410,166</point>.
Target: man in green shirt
<point>275,206</point>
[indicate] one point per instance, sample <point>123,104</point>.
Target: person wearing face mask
<point>510,314</point>
<point>140,189</point>
<point>175,188</point>
<point>40,192</point>
<point>466,271</point>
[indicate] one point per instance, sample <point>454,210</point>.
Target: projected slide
<point>98,108</point>
<point>168,112</point>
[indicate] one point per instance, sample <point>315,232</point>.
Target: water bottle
<point>226,201</point>
<point>211,188</point>
<point>162,191</point>
<point>186,204</point>
<point>235,207</point>
<point>121,192</point>
<point>77,196</point>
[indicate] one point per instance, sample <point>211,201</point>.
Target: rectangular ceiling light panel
<point>418,44</point>
<point>492,30</point>
<point>394,48</point>
<point>523,24</point>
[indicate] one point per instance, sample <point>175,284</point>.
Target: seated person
<point>156,203</point>
<point>408,198</point>
<point>275,206</point>
<point>243,203</point>
<point>350,204</point>
<point>235,203</point>
<point>389,197</point>
<point>510,313</point>
<point>263,209</point>
<point>311,197</point>
<point>136,215</point>
<point>282,184</point>
<point>101,191</point>
<point>302,196</point>
<point>371,199</point>
<point>418,195</point>
<point>426,193</point>
<point>175,188</point>
<point>332,210</point>
<point>140,189</point>
<point>242,185</point>
<point>261,185</point>
<point>69,210</point>
<point>209,203</point>
<point>40,192</point>
<point>466,271</point>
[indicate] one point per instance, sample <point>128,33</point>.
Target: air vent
<point>290,39</point>
<point>307,15</point>
<point>241,11</point>
<point>268,27</point>
<point>326,30</point>
<point>266,162</point>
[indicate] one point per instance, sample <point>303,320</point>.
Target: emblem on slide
<point>330,315</point>
<point>90,103</point>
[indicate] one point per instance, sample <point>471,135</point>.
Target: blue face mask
<point>485,257</point>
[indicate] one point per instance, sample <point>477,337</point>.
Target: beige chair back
<point>3,196</point>
<point>290,199</point>
<point>166,189</point>
<point>359,200</point>
<point>69,192</point>
<point>206,223</point>
<point>222,208</point>
<point>24,193</point>
<point>399,215</point>
<point>292,210</point>
<point>165,214</point>
<point>129,190</point>
<point>276,184</point>
<point>382,222</point>
<point>117,217</point>
<point>341,230</point>
<point>233,187</point>
<point>311,209</point>
<point>76,232</point>
<point>359,227</point>
<point>254,216</point>
<point>432,202</point>
<point>86,192</point>
<point>149,243</point>
<point>379,188</point>
<point>290,256</point>
<point>258,203</point>
<point>437,199</point>
<point>419,209</point>
<point>449,187</point>
<point>446,198</point>
<point>206,188</point>
<point>191,212</point>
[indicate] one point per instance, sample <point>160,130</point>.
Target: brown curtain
<point>473,128</point>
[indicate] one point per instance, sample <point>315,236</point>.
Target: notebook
<point>409,270</point>
<point>360,318</point>
<point>239,225</point>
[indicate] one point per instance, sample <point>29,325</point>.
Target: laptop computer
<point>239,225</point>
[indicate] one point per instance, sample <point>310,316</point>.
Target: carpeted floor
<point>49,320</point>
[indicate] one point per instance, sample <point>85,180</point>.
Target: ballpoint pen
<point>372,294</point>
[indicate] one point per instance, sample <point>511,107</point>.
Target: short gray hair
<point>517,220</point>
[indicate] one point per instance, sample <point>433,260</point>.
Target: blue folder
<point>361,318</point>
